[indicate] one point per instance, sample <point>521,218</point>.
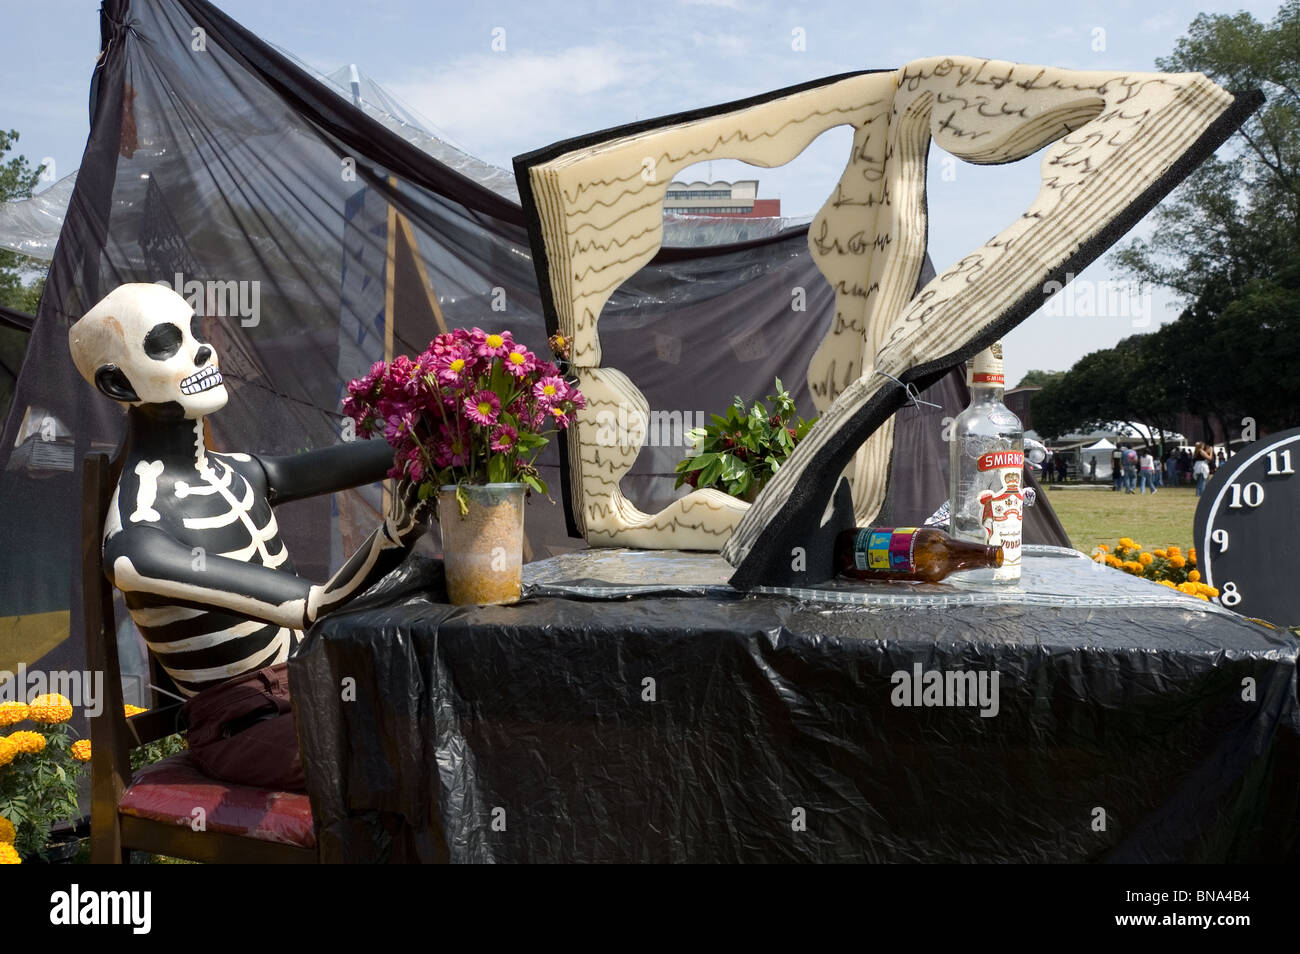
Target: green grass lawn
<point>1093,516</point>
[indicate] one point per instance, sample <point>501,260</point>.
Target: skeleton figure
<point>190,538</point>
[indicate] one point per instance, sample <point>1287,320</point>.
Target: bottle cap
<point>986,367</point>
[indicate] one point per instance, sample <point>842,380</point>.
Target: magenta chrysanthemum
<point>550,391</point>
<point>504,438</point>
<point>483,408</point>
<point>519,361</point>
<point>454,366</point>
<point>494,344</point>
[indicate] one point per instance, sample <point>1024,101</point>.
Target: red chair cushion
<point>169,791</point>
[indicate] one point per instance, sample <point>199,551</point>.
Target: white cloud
<point>498,102</point>
<point>725,42</point>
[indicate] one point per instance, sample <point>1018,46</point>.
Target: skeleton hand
<point>405,522</point>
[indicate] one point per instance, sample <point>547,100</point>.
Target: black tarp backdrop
<point>214,158</point>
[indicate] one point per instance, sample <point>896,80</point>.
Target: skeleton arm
<point>351,464</point>
<point>149,560</point>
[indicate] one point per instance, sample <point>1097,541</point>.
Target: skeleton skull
<point>140,345</point>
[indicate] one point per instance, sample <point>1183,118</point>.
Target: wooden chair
<point>155,809</point>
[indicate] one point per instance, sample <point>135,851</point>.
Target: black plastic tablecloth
<point>765,728</point>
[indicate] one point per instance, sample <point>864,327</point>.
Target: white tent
<point>1100,454</point>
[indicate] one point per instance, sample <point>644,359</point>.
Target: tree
<point>1235,218</point>
<point>1226,241</point>
<point>21,279</point>
<point>1119,385</point>
<point>1039,379</point>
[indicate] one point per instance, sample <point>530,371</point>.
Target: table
<point>686,722</point>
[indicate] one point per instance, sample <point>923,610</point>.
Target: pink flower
<point>492,345</point>
<point>399,424</point>
<point>504,438</point>
<point>455,365</point>
<point>452,452</point>
<point>550,391</point>
<point>546,369</point>
<point>415,464</point>
<point>519,361</point>
<point>560,417</point>
<point>483,408</point>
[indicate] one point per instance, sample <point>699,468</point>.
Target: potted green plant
<point>739,452</point>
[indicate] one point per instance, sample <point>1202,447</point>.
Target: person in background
<point>1201,470</point>
<point>1220,459</point>
<point>1171,469</point>
<point>1185,467</point>
<point>1117,467</point>
<point>1062,468</point>
<point>1046,466</point>
<point>1130,469</point>
<point>1148,467</point>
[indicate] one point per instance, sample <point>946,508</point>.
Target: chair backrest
<point>110,760</point>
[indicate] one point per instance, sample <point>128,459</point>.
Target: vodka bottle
<point>908,553</point>
<point>986,470</point>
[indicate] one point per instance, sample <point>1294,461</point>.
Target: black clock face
<point>1248,530</point>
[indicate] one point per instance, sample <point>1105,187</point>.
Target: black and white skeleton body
<point>191,538</point>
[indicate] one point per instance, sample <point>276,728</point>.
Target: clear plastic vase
<point>483,549</point>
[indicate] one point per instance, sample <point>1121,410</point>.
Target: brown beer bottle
<point>908,553</point>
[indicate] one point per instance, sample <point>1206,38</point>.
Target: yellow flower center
<point>516,357</point>
<point>548,390</point>
<point>457,364</point>
<point>484,408</point>
<point>495,341</point>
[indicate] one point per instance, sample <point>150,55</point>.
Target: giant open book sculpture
<point>1118,143</point>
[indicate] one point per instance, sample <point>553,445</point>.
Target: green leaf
<point>536,483</point>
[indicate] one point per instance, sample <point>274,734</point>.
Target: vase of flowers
<point>467,419</point>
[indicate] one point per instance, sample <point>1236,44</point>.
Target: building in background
<point>1017,400</point>
<point>738,199</point>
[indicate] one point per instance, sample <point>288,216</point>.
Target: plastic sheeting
<point>31,226</point>
<point>762,728</point>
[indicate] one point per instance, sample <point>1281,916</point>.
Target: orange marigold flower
<point>9,855</point>
<point>50,709</point>
<point>1191,554</point>
<point>12,712</point>
<point>1193,576</point>
<point>81,750</point>
<point>1168,583</point>
<point>1178,563</point>
<point>1145,559</point>
<point>7,752</point>
<point>7,831</point>
<point>1103,548</point>
<point>1163,554</point>
<point>27,743</point>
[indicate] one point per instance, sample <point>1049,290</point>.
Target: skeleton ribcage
<point>220,515</point>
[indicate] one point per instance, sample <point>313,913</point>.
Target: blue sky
<point>575,67</point>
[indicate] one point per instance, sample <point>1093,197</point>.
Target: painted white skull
<point>150,335</point>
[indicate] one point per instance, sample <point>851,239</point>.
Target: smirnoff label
<point>999,460</point>
<point>1003,509</point>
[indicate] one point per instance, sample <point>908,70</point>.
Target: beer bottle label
<point>1002,508</point>
<point>885,548</point>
